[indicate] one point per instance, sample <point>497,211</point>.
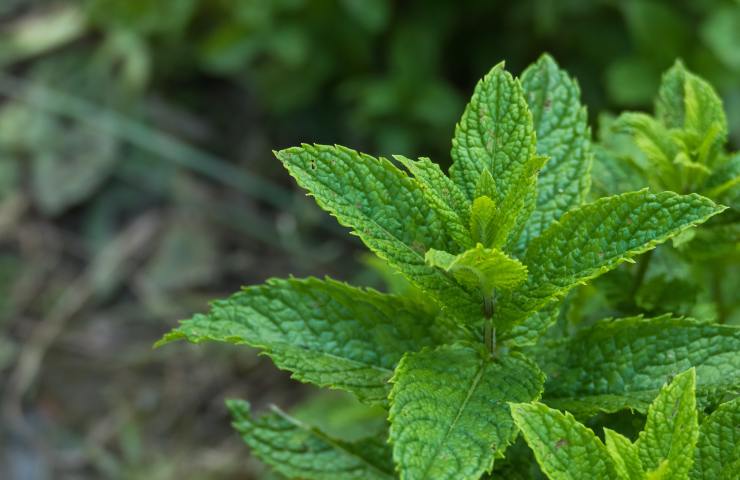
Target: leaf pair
<point>672,445</point>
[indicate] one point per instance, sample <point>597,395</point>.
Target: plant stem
<point>489,332</point>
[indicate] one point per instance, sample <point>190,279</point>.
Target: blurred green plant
<point>384,73</point>
<point>683,148</point>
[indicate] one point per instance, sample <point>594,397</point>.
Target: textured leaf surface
<point>386,209</point>
<point>533,327</point>
<point>449,413</point>
<point>443,195</point>
<point>564,448</point>
<point>481,268</point>
<point>718,450</point>
<point>624,455</point>
<point>595,238</point>
<point>495,133</point>
<point>672,429</point>
<point>297,450</point>
<point>561,124</point>
<point>515,209</point>
<point>325,332</point>
<point>623,363</point>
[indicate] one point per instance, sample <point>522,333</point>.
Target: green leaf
<point>325,332</point>
<point>483,225</point>
<point>448,410</point>
<point>533,327</point>
<point>718,451</point>
<point>615,166</point>
<point>494,224</point>
<point>672,429</point>
<point>443,195</point>
<point>713,242</point>
<point>564,448</point>
<point>617,364</point>
<point>725,180</point>
<point>386,209</point>
<point>561,124</point>
<point>496,134</point>
<point>481,268</point>
<point>597,237</point>
<point>624,455</point>
<point>657,145</point>
<point>486,186</point>
<point>514,210</point>
<point>297,450</point>
<point>685,101</point>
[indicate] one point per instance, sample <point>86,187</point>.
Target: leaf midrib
<point>334,443</point>
<point>471,390</point>
<point>448,282</point>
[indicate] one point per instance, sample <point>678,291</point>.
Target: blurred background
<point>137,182</point>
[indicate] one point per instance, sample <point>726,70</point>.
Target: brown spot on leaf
<point>561,443</point>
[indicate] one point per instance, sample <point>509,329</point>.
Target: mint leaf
<point>597,237</point>
<point>483,226</point>
<point>713,242</point>
<point>672,429</point>
<point>448,410</point>
<point>386,209</point>
<point>297,450</point>
<point>486,186</point>
<point>514,210</point>
<point>624,455</point>
<point>443,195</point>
<point>495,133</point>
<point>611,174</point>
<point>564,448</point>
<point>561,124</point>
<point>623,363</point>
<point>685,101</point>
<point>481,268</point>
<point>533,327</point>
<point>725,180</point>
<point>659,147</point>
<point>718,450</point>
<point>325,332</point>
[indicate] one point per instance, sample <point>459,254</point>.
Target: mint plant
<point>682,148</point>
<point>673,445</point>
<point>493,248</point>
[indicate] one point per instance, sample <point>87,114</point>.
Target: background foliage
<point>136,181</point>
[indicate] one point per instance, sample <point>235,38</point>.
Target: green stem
<point>489,331</point>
